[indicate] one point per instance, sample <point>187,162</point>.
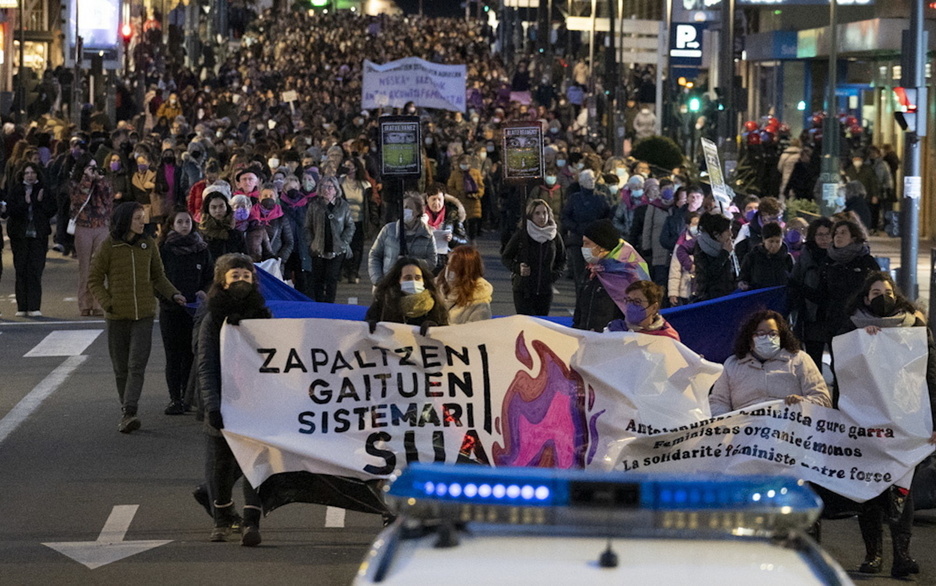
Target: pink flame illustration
<point>543,418</point>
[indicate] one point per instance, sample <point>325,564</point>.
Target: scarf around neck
<point>435,219</point>
<point>266,216</point>
<point>618,270</point>
<point>216,229</point>
<point>188,244</point>
<point>863,318</point>
<point>709,245</point>
<point>541,235</point>
<point>849,252</point>
<point>417,304</point>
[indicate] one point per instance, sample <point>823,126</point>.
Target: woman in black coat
<point>535,256</point>
<point>217,225</point>
<point>29,211</point>
<point>879,304</point>
<point>188,266</point>
<point>716,265</point>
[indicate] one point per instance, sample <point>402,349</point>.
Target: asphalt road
<point>68,477</point>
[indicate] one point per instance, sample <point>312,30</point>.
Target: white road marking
<point>110,545</point>
<point>69,299</point>
<point>83,322</point>
<point>352,300</point>
<point>334,517</point>
<point>64,343</point>
<point>40,393</point>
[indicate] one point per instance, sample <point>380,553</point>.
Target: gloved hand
<point>424,327</point>
<point>215,420</point>
<point>372,326</point>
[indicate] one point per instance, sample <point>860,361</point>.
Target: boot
<point>904,565</point>
<point>873,536</point>
<point>129,422</point>
<point>251,536</point>
<point>226,522</point>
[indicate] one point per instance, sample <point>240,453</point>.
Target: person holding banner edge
<point>879,304</point>
<point>408,294</point>
<point>234,295</point>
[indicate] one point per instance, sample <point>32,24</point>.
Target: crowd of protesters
<point>214,162</point>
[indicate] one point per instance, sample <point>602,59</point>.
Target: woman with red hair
<point>467,294</point>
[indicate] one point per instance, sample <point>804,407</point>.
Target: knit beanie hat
<point>233,260</point>
<point>603,233</point>
<point>219,186</point>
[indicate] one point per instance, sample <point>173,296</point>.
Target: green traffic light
<point>694,104</point>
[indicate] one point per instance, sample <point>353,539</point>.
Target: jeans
<point>129,342</point>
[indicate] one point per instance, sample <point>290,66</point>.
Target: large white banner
<point>327,396</point>
<point>426,84</point>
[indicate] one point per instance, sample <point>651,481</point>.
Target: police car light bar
<point>736,504</point>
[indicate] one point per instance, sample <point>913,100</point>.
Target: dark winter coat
<point>594,308</point>
<point>581,209</point>
<point>805,278</point>
<point>760,269</point>
<point>218,247</point>
<point>714,274</point>
<point>546,261</point>
<point>190,271</point>
<point>838,282</point>
<point>124,277</point>
<point>18,211</point>
<point>859,205</point>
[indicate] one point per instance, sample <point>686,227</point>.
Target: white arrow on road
<point>110,545</point>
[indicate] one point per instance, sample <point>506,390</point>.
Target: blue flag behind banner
<point>708,327</point>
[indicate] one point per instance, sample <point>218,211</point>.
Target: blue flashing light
<point>537,487</point>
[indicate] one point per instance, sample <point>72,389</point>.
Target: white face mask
<point>588,255</point>
<point>407,215</point>
<point>767,347</point>
<point>273,163</point>
<point>412,287</point>
<point>693,231</point>
<point>464,167</point>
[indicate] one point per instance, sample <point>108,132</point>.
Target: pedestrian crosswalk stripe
<point>40,393</point>
<point>64,343</point>
<point>334,517</point>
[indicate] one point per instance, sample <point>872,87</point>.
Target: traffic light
<point>695,104</point>
<point>126,33</point>
<point>906,110</point>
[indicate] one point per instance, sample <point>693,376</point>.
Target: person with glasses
<point>642,312</point>
<point>768,210</point>
<point>767,364</point>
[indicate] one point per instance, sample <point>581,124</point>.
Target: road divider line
<point>19,413</point>
<point>334,517</point>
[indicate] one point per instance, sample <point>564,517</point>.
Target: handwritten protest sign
<point>426,84</point>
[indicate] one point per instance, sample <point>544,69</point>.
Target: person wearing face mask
<point>410,236</point>
<point>295,204</point>
<point>125,274</point>
<point>196,193</point>
<point>565,176</point>
<point>271,217</point>
<point>879,304</point>
<point>234,296</point>
<point>536,258</point>
<point>642,313</point>
<point>794,236</point>
<point>329,229</point>
<point>768,210</point>
<point>658,211</point>
<point>550,191</point>
<point>119,179</point>
<point>189,267</point>
<point>467,184</point>
<point>767,364</point>
<point>408,294</point>
<point>769,264</point>
<point>632,198</point>
<point>716,267</point>
<point>681,286</point>
<point>582,208</point>
<point>357,191</point>
<point>217,223</point>
<point>170,108</point>
<point>611,266</point>
<point>857,170</point>
<point>30,208</point>
<point>810,327</point>
<point>445,217</point>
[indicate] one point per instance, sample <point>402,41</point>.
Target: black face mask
<point>882,305</point>
<point>240,289</point>
<point>268,203</point>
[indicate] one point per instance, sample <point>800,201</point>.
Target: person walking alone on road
<point>28,213</point>
<point>536,258</point>
<point>235,295</point>
<point>125,272</point>
<point>188,267</point>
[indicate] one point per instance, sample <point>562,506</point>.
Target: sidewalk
<point>887,247</point>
